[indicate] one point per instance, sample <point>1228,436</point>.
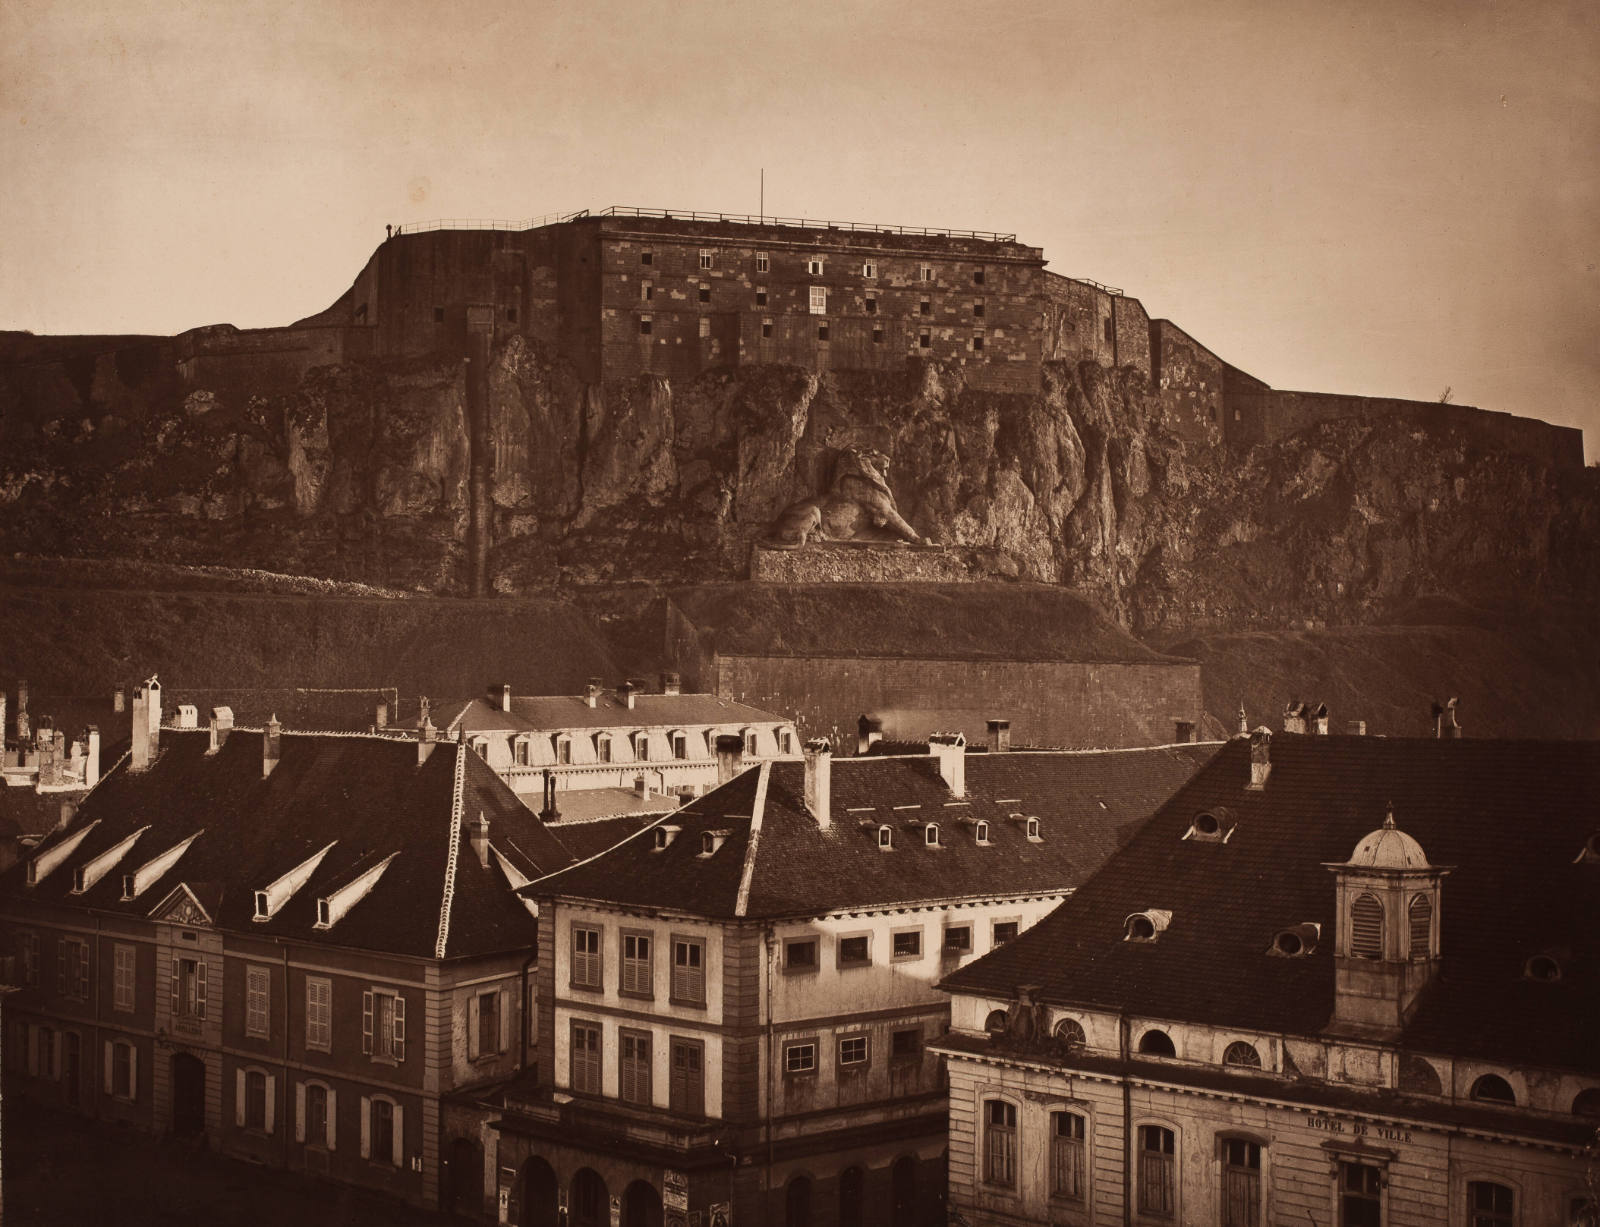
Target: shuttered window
<point>687,1089</point>
<point>1241,1183</point>
<point>319,1014</point>
<point>688,970</point>
<point>1366,928</point>
<point>1157,1185</point>
<point>1420,917</point>
<point>1066,1156</point>
<point>633,1076</point>
<point>585,1058</point>
<point>1000,1143</point>
<point>383,1024</point>
<point>585,958</point>
<point>636,969</point>
<point>124,977</point>
<point>257,988</point>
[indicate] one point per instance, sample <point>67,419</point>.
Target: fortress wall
<point>1049,703</point>
<point>1189,378</point>
<point>1130,333</point>
<point>1077,321</point>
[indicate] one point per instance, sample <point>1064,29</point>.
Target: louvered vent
<point>1366,928</point>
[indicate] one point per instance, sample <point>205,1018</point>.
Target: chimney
<point>1454,727</point>
<point>550,813</point>
<point>625,695</point>
<point>425,741</point>
<point>424,708</point>
<point>500,696</point>
<point>1244,721</point>
<point>47,758</point>
<point>69,811</point>
<point>119,699</point>
<point>869,732</point>
<point>2,721</point>
<point>221,725</point>
<point>478,832</point>
<point>271,746</point>
<point>671,683</point>
<point>1355,728</point>
<point>91,758</point>
<point>999,736</point>
<point>1183,731</point>
<point>592,694</point>
<point>951,751</point>
<point>819,781</point>
<point>641,785</point>
<point>380,718</point>
<point>1260,757</point>
<point>146,724</point>
<point>730,756</point>
<point>1319,721</point>
<point>1294,717</point>
<point>24,721</point>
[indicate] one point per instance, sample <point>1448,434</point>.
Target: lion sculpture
<point>858,502</point>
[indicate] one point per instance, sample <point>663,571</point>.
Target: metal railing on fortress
<point>809,223</point>
<point>488,223</point>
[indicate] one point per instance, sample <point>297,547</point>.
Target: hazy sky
<point>1382,198</point>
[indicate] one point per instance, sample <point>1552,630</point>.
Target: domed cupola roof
<point>1388,848</point>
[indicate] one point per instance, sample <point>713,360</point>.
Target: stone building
<point>736,1004</point>
<point>303,948</point>
<point>1335,981</point>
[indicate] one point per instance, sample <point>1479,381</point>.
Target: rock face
<point>363,472</point>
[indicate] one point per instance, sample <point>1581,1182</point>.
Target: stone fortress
<point>630,291</point>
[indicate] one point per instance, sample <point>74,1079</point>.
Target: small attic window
<point>1296,942</point>
<point>1069,1031</point>
<point>1146,926</point>
<point>127,887</point>
<point>1544,968</point>
<point>1590,853</point>
<point>1492,1088</point>
<point>995,1024</point>
<point>324,915</point>
<point>1157,1043</point>
<point>930,835</point>
<point>1241,1054</point>
<point>665,836</point>
<point>1033,830</point>
<point>263,909</point>
<point>885,837</point>
<point>710,841</point>
<point>982,833</point>
<point>79,880</point>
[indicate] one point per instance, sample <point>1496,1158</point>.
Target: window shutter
<point>272,1102</point>
<point>1366,928</point>
<point>504,998</point>
<point>177,985</point>
<point>399,1136</point>
<point>55,1057</point>
<point>366,1127</point>
<point>474,1008</point>
<point>238,1097</point>
<point>33,1051</point>
<point>399,1027</point>
<point>200,987</point>
<point>108,1067</point>
<point>333,1118</point>
<point>299,1111</point>
<point>366,1037</point>
<point>82,986</point>
<point>133,1071</point>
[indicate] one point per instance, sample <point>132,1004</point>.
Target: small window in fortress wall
<point>872,305</point>
<point>763,262</point>
<point>977,342</point>
<point>1108,329</point>
<point>926,308</point>
<point>761,295</point>
<point>647,291</point>
<point>511,315</point>
<point>766,328</point>
<point>705,326</point>
<point>822,331</point>
<point>438,315</point>
<point>647,257</point>
<point>819,300</point>
<point>707,258</point>
<point>814,267</point>
<point>877,336</point>
<point>977,309</point>
<point>705,292</point>
<point>925,341</point>
<point>977,276</point>
<point>644,325</point>
<point>869,270</point>
<point>925,272</point>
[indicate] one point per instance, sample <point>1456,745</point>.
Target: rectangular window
<point>602,749</point>
<point>763,262</point>
<point>958,940</point>
<point>486,1028</point>
<point>257,988</point>
<point>319,1014</point>
<point>1004,931</point>
<point>800,1058</point>
<point>1157,1186</point>
<point>438,315</point>
<point>585,957</point>
<point>1241,1183</point>
<point>872,305</point>
<point>383,1025</point>
<point>977,309</point>
<point>977,276</point>
<point>707,258</point>
<point>189,988</point>
<point>877,336</point>
<point>585,1058</point>
<point>647,257</point>
<point>925,307</point>
<point>925,272</point>
<point>853,1050</point>
<point>819,300</point>
<point>908,944</point>
<point>766,328</point>
<point>687,1084</point>
<point>644,325</point>
<point>999,1143</point>
<point>855,951</point>
<point>1108,329</point>
<point>705,292</point>
<point>633,1074</point>
<point>924,340</point>
<point>72,969</point>
<point>814,267</point>
<point>647,291</point>
<point>688,970</point>
<point>255,1100</point>
<point>315,1122</point>
<point>637,975</point>
<point>122,1084</point>
<point>705,326</point>
<point>800,954</point>
<point>977,342</point>
<point>761,295</point>
<point>1360,1196</point>
<point>869,269</point>
<point>1066,1156</point>
<point>906,1045</point>
<point>822,332</point>
<point>380,1141</point>
<point>511,315</point>
<point>126,962</point>
<point>30,959</point>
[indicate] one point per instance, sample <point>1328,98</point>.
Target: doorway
<point>188,1094</point>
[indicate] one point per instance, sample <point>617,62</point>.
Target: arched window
<point>797,1203</point>
<point>1366,927</point>
<point>995,1024</point>
<point>1070,1032</point>
<point>1543,967</point>
<point>1157,1043</point>
<point>999,1143</point>
<point>590,1202</point>
<point>1242,1054</point>
<point>1419,1076</point>
<point>1158,1185</point>
<point>1067,1179</point>
<point>886,837</point>
<point>1492,1088</point>
<point>852,1199</point>
<point>1587,1103</point>
<point>930,835</point>
<point>1140,928</point>
<point>1492,1205</point>
<point>1419,915</point>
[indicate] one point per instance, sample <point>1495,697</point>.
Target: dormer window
<point>750,742</point>
<point>1069,1031</point>
<point>602,747</point>
<point>930,835</point>
<point>263,912</point>
<point>1157,1043</point>
<point>1146,926</point>
<point>995,1024</point>
<point>710,841</point>
<point>1296,942</point>
<point>1241,1054</point>
<point>564,750</point>
<point>79,881</point>
<point>521,753</point>
<point>324,914</point>
<point>1543,967</point>
<point>680,744</point>
<point>641,745</point>
<point>982,834</point>
<point>665,836</point>
<point>885,838</point>
<point>1492,1088</point>
<point>127,887</point>
<point>1032,827</point>
<point>1211,826</point>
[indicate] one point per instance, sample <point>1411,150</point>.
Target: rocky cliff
<point>363,472</point>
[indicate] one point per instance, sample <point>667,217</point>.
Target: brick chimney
<point>999,736</point>
<point>146,724</point>
<point>425,736</point>
<point>2,721</point>
<point>869,732</point>
<point>478,832</point>
<point>671,683</point>
<point>119,699</point>
<point>550,812</point>
<point>1260,758</point>
<point>221,725</point>
<point>730,756</point>
<point>24,721</point>
<point>1294,717</point>
<point>380,717</point>
<point>271,746</point>
<point>950,749</point>
<point>625,693</point>
<point>91,757</point>
<point>1317,722</point>
<point>819,782</point>
<point>424,708</point>
<point>500,696</point>
<point>592,693</point>
<point>641,786</point>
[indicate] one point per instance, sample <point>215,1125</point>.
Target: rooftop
<point>551,713</point>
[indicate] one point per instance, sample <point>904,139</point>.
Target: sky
<point>1396,199</point>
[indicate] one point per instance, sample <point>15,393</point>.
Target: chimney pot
<point>869,732</point>
<point>730,756</point>
<point>592,694</point>
<point>819,781</point>
<point>625,695</point>
<point>271,746</point>
<point>500,696</point>
<point>146,724</point>
<point>999,736</point>
<point>549,813</point>
<point>425,738</point>
<point>950,749</point>
<point>671,683</point>
<point>1260,758</point>
<point>91,763</point>
<point>641,785</point>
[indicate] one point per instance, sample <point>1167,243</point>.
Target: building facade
<point>1334,981</point>
<point>737,1004</point>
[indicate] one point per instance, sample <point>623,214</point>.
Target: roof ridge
<point>757,812</point>
<point>453,853</point>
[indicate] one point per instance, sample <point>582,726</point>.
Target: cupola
<point>1386,940</point>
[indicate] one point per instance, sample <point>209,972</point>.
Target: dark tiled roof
<point>366,793</point>
<point>1511,817</point>
<point>553,712</point>
<point>587,837</point>
<point>1087,803</point>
